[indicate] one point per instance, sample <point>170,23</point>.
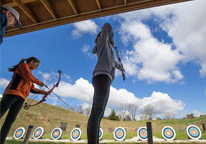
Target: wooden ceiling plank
<point>125,1</point>
<point>13,4</point>
<point>48,6</point>
<point>98,4</point>
<point>71,2</point>
<point>26,10</point>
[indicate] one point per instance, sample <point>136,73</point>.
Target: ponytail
<point>12,69</point>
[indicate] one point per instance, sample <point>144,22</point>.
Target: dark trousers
<point>101,85</point>
<point>14,104</point>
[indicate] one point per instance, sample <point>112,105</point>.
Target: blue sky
<point>162,49</point>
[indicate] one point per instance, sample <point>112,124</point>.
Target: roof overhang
<point>40,14</point>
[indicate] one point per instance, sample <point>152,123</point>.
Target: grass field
<point>50,117</point>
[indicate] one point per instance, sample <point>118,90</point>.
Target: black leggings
<point>101,85</point>
<point>14,104</point>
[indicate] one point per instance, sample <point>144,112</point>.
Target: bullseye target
<point>56,133</point>
<point>119,134</point>
<point>38,132</point>
<point>168,133</point>
<point>142,133</point>
<point>100,133</point>
<point>19,133</point>
<point>193,132</point>
<point>76,134</point>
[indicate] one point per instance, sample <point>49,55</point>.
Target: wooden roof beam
<point>98,4</point>
<point>125,1</point>
<point>71,2</point>
<point>26,10</point>
<point>48,6</point>
<point>13,4</point>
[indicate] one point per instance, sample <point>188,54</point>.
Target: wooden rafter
<point>71,2</point>
<point>26,10</point>
<point>13,4</point>
<point>125,1</point>
<point>98,4</point>
<point>48,6</point>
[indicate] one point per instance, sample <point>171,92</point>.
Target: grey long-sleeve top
<point>106,63</point>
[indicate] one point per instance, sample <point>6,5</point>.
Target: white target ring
<point>142,133</point>
<point>100,133</point>
<point>19,133</point>
<point>193,132</point>
<point>56,133</point>
<point>38,132</point>
<point>76,134</point>
<point>168,133</point>
<point>119,134</point>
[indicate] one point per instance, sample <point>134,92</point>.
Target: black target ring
<point>142,133</point>
<point>119,134</point>
<point>38,132</point>
<point>168,133</point>
<point>19,133</point>
<point>56,133</point>
<point>76,134</point>
<point>193,132</point>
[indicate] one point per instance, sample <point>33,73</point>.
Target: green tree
<point>113,116</point>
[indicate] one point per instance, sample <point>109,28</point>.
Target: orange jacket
<point>22,82</point>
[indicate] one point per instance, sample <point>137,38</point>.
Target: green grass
<point>50,117</point>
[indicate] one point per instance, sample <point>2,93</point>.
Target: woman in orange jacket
<point>17,91</point>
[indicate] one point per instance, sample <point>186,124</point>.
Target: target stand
<point>56,134</point>
<point>168,133</point>
<point>119,134</point>
<point>19,133</point>
<point>76,134</point>
<point>142,134</point>
<point>100,134</point>
<point>193,132</point>
<point>38,133</point>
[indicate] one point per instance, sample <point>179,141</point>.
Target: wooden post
<point>28,134</point>
<point>149,133</point>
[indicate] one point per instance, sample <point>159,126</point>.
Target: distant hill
<point>50,117</point>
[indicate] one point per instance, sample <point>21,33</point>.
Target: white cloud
<point>197,113</point>
<point>156,61</point>
<point>3,82</point>
<point>83,27</point>
<point>1,96</point>
<point>86,50</point>
<point>83,91</point>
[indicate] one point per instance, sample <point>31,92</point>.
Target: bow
<point>118,57</point>
<point>27,106</point>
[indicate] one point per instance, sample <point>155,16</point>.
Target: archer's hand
<point>42,84</point>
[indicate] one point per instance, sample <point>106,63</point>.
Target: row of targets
<point>119,133</point>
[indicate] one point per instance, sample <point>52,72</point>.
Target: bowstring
<point>33,97</point>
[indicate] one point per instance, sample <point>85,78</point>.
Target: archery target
<point>19,133</point>
<point>76,134</point>
<point>168,133</point>
<point>56,133</point>
<point>100,133</point>
<point>142,133</point>
<point>38,132</point>
<point>119,133</point>
<point>193,132</point>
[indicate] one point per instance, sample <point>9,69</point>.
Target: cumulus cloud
<point>83,27</point>
<point>86,50</point>
<point>197,113</point>
<point>157,61</point>
<point>3,83</point>
<point>83,91</point>
<point>0,96</point>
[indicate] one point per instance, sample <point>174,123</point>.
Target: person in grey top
<point>103,75</point>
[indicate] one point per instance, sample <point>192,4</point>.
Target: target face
<point>119,134</point>
<point>56,134</point>
<point>38,132</point>
<point>100,133</point>
<point>168,133</point>
<point>19,133</point>
<point>193,132</point>
<point>142,133</point>
<point>76,134</point>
